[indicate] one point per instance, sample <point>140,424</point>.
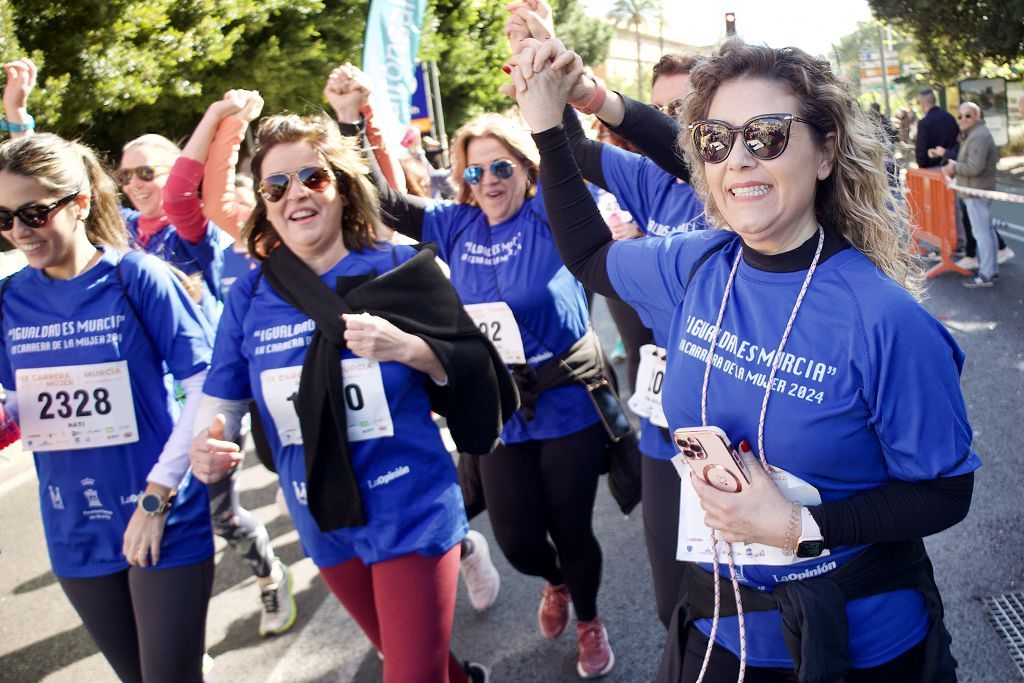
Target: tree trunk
<point>639,63</point>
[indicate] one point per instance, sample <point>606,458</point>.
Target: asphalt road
<point>41,638</point>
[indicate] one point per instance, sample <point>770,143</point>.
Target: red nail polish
<point>507,69</point>
<point>745,445</point>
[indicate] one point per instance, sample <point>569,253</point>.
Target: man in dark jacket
<point>937,128</point>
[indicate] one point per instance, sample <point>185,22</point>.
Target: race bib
<point>76,406</point>
<point>650,376</point>
<point>497,323</point>
<point>366,406</point>
<point>694,543</point>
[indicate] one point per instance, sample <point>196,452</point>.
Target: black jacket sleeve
<point>581,235</point>
<point>896,511</point>
<point>655,135</point>
<point>399,211</point>
<point>587,152</point>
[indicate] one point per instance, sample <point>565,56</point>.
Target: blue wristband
<point>29,124</point>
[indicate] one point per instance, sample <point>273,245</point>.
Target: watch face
<point>810,548</point>
<point>150,503</point>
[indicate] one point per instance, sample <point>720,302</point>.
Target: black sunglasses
<point>765,136</point>
<point>123,176</point>
<point>34,215</point>
<point>502,168</point>
<point>315,178</point>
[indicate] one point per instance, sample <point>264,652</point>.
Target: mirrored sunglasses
<point>314,178</point>
<point>502,168</point>
<point>765,136</point>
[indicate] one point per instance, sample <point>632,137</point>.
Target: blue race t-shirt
<point>516,262</point>
<point>867,390</point>
<point>660,203</point>
<point>407,480</point>
<point>236,264</point>
<point>206,257</point>
<point>86,371</point>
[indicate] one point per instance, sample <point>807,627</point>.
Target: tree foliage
<point>589,37</point>
<point>113,69</point>
<point>957,37</point>
<point>635,13</point>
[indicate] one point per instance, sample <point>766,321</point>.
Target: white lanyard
<point>776,360</point>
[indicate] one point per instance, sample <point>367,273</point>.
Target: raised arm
<point>181,194</point>
<point>221,202</point>
<point>347,92</point>
<point>21,79</point>
<point>582,237</point>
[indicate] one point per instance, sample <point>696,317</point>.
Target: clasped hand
<point>544,77</point>
<point>757,514</point>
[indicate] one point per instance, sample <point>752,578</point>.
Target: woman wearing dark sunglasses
<point>794,328</point>
<point>177,231</point>
<point>542,481</point>
<point>342,397</point>
<point>89,331</point>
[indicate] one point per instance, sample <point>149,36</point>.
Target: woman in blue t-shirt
<point>341,397</point>
<point>795,330</point>
<point>542,481</point>
<point>93,338</point>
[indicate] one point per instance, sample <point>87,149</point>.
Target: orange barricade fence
<point>932,207</point>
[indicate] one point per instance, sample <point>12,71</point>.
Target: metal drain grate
<point>1006,614</point>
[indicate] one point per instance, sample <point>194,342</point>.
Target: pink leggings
<point>405,606</point>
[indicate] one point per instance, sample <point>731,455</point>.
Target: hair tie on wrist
<point>596,101</point>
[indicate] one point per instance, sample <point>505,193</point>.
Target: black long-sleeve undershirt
<point>399,211</point>
<point>581,235</point>
<point>588,153</point>
<point>655,135</point>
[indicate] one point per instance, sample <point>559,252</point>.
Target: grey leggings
<point>150,624</point>
<point>236,525</point>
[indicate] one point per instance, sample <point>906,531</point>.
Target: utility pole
<point>885,75</point>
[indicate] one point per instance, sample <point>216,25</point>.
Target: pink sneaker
<point>553,613</point>
<point>596,656</point>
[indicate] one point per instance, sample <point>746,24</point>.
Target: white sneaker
<point>968,263</point>
<point>478,573</point>
<point>1005,254</point>
<point>278,614</point>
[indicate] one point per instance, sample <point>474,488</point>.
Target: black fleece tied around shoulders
<point>417,298</point>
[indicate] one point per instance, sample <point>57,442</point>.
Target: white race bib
<point>76,406</point>
<point>497,323</point>
<point>694,544</point>
<point>366,405</point>
<point>650,377</point>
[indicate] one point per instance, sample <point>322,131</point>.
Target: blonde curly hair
<point>855,200</point>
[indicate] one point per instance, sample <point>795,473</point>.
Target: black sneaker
<point>977,282</point>
<point>477,673</point>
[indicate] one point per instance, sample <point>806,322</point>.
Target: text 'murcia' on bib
<point>76,406</point>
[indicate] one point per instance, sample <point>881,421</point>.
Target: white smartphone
<point>711,457</point>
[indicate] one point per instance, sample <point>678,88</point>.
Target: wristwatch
<point>811,543</point>
<point>154,504</point>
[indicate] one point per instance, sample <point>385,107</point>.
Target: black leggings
<point>661,531</point>
<point>537,488</point>
<point>150,624</point>
<point>236,525</point>
<point>633,334</point>
<point>724,666</point>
